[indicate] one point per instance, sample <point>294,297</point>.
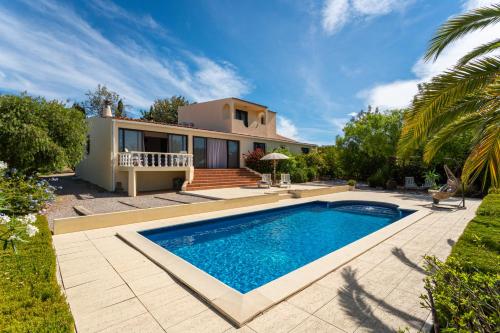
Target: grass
<point>479,246</point>
<point>30,298</point>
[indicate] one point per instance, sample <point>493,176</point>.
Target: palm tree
<point>463,98</point>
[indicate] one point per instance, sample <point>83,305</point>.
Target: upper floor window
<point>262,120</point>
<point>305,150</point>
<point>241,115</point>
<point>177,143</point>
<point>259,145</point>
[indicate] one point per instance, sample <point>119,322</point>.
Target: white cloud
<point>337,13</point>
<point>60,55</point>
<point>287,128</point>
<point>399,94</point>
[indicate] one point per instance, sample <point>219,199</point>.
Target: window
<point>130,140</point>
<point>259,145</point>
<point>262,120</point>
<point>177,143</point>
<point>241,115</point>
<point>305,150</point>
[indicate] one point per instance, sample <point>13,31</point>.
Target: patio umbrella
<point>274,157</point>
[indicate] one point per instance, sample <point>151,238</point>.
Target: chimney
<point>106,111</point>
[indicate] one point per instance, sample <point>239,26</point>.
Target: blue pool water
<point>249,250</point>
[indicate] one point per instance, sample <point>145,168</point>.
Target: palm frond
<point>459,26</point>
<point>479,51</point>
<point>485,156</point>
<point>448,89</point>
<point>448,132</point>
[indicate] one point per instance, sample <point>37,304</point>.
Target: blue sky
<point>313,62</point>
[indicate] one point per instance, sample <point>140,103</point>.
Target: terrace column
<point>132,186</point>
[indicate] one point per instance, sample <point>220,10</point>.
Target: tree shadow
<point>400,254</point>
<point>354,302</point>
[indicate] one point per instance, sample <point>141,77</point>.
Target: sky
<point>316,63</point>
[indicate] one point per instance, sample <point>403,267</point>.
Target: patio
<point>113,288</point>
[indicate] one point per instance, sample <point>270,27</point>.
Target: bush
<point>31,300</point>
<point>40,136</point>
<point>252,161</point>
<point>461,301</point>
<point>298,176</point>
<point>351,182</point>
<point>464,292</point>
<point>21,195</point>
<point>377,179</point>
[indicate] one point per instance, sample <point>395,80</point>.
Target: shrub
<point>31,300</point>
<point>377,179</point>
<point>21,195</point>
<point>351,182</point>
<point>252,161</point>
<point>312,173</point>
<point>38,135</point>
<point>461,301</point>
<point>298,176</point>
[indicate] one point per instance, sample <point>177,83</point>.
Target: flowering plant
<point>16,229</point>
<point>21,198</point>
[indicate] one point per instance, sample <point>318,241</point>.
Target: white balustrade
<point>154,159</point>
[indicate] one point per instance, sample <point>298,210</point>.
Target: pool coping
<point>241,308</point>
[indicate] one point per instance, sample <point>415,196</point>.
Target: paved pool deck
<point>111,287</point>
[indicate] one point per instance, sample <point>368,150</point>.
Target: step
<point>213,187</point>
<point>223,181</point>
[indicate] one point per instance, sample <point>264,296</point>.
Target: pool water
<point>249,250</point>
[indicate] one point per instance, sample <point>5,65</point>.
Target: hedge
<point>30,297</point>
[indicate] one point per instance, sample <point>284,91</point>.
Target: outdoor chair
<point>450,189</point>
<point>265,180</point>
<point>410,184</point>
<point>285,180</point>
<point>427,184</point>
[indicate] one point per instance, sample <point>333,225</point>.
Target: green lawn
<point>479,246</point>
<point>30,298</point>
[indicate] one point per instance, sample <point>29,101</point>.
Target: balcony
<point>154,160</point>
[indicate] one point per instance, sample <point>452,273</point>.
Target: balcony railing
<point>154,160</point>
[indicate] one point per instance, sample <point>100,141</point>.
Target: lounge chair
<point>285,180</point>
<point>448,190</point>
<point>427,185</point>
<point>410,184</point>
<point>265,180</point>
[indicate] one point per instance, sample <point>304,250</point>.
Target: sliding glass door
<point>233,154</point>
<point>199,152</point>
<point>215,153</point>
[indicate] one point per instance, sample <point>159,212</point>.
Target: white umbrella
<point>274,157</point>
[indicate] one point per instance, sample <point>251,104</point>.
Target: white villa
<point>205,150</point>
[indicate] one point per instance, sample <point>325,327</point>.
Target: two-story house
<point>205,150</point>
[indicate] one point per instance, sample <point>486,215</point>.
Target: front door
<point>233,154</point>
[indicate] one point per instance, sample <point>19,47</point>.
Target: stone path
<point>113,288</point>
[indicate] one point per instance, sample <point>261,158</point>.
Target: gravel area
<point>76,192</point>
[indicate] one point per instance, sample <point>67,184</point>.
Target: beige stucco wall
<point>214,115</point>
<point>96,167</point>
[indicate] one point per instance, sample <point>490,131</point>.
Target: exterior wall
<point>150,180</point>
<point>96,167</point>
<point>213,115</point>
<point>246,142</point>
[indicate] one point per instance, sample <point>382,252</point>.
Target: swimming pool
<point>249,250</point>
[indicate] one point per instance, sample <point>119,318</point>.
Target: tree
<point>164,110</point>
<point>38,135</point>
<point>97,99</point>
<point>463,98</point>
<point>120,109</point>
<point>369,141</point>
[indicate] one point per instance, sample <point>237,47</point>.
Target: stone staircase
<point>205,179</point>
